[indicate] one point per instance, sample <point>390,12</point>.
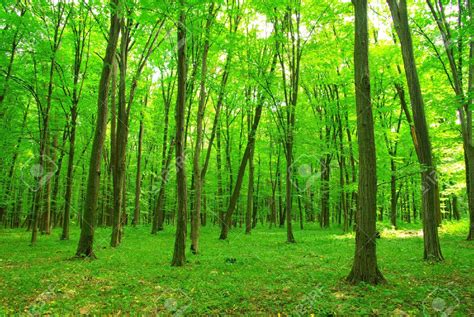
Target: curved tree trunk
<point>240,176</point>
<point>432,248</point>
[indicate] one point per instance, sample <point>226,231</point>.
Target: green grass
<point>269,276</point>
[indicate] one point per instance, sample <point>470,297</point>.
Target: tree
<point>432,248</point>
<point>15,41</point>
<point>227,221</point>
<point>82,32</point>
<point>138,179</point>
<point>86,241</point>
<point>364,268</point>
<point>179,255</point>
<point>289,55</point>
<point>453,47</point>
<point>124,110</point>
<point>59,19</point>
<point>197,173</point>
<point>167,89</point>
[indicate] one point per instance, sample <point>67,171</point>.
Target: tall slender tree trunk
<point>240,176</point>
<point>166,156</point>
<point>121,138</point>
<point>364,268</point>
<point>70,174</point>
<point>256,195</point>
<point>288,187</point>
<point>179,255</point>
<point>158,215</point>
<point>325,177</point>
<point>81,41</point>
<point>198,181</point>
<point>342,167</point>
<point>432,248</point>
<point>470,145</point>
<point>138,179</point>
<point>86,241</point>
<point>44,162</point>
<point>281,209</point>
<point>220,189</point>
<point>57,180</point>
<point>393,193</point>
<point>250,198</point>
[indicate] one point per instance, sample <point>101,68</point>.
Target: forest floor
<point>248,274</point>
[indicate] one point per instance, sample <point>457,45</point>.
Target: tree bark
<point>198,181</point>
<point>138,179</point>
<point>121,137</point>
<point>240,176</point>
<point>456,80</point>
<point>70,174</point>
<point>86,241</point>
<point>179,255</point>
<point>250,198</point>
<point>166,156</point>
<point>364,268</point>
<point>432,248</point>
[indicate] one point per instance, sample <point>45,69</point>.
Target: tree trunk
<point>57,179</point>
<point>166,156</point>
<point>70,174</point>
<point>456,80</point>
<point>250,198</point>
<point>365,268</point>
<point>158,215</point>
<point>454,206</point>
<point>85,246</point>
<point>179,255</point>
<point>393,193</point>
<point>138,179</point>
<point>325,176</point>
<point>220,189</point>
<point>289,186</point>
<point>256,196</point>
<point>432,248</point>
<point>198,181</point>
<point>121,139</point>
<point>240,176</point>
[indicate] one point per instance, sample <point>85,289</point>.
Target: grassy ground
<point>252,274</point>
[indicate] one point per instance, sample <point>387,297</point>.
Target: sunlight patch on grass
<point>401,234</point>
